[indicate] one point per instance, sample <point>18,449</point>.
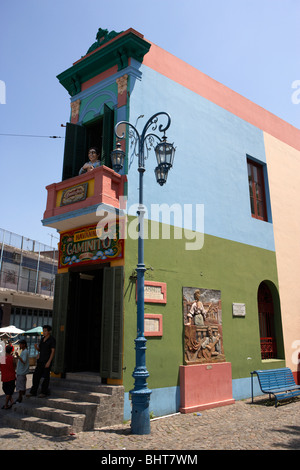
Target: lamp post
<point>140,395</point>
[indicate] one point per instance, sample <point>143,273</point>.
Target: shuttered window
<point>60,312</point>
<point>112,323</point>
<point>75,154</point>
<point>257,190</point>
<point>79,138</point>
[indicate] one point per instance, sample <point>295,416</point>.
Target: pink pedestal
<point>204,386</point>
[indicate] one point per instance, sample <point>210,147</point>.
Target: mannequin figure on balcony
<point>94,161</point>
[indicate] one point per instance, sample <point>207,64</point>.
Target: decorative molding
<point>75,107</point>
<point>116,52</point>
<point>122,84</point>
<point>102,37</point>
<point>100,108</point>
<point>132,71</point>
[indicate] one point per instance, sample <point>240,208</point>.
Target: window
<point>257,190</point>
<point>79,138</point>
<point>268,345</point>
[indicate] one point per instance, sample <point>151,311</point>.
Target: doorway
<point>266,322</point>
<point>83,338</point>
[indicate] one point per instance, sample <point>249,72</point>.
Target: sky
<point>251,46</point>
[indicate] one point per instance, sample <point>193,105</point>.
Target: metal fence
<point>27,265</point>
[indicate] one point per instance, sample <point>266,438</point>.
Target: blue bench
<point>277,382</point>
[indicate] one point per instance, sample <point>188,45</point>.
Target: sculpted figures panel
<point>202,313</point>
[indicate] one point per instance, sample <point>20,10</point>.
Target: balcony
<point>74,202</point>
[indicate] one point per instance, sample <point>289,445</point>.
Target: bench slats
<point>278,382</point>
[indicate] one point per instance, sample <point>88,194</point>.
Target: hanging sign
<point>92,244</point>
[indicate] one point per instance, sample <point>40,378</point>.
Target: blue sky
<point>251,46</point>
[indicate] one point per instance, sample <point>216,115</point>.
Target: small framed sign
<point>74,194</point>
<point>238,310</point>
<point>153,324</point>
<point>155,292</point>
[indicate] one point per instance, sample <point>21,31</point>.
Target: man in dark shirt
<point>46,350</point>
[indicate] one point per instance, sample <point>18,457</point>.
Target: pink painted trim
<point>160,322</point>
<point>163,286</point>
<point>196,81</point>
<point>98,78</point>
<point>108,188</point>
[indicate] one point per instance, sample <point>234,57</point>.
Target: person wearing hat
<point>22,370</point>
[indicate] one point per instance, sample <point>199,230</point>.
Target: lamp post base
<point>140,395</point>
<point>140,416</point>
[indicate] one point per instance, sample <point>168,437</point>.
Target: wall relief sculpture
<point>202,314</point>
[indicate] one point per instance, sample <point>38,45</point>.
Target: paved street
<point>242,426</point>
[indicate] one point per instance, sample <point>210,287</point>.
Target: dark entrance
<point>266,322</point>
<point>83,335</point>
<point>88,320</point>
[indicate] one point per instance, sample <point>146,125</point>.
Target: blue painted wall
<point>210,165</point>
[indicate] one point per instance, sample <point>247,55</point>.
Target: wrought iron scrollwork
<point>144,141</point>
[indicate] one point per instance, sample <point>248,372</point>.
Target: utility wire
<point>26,135</point>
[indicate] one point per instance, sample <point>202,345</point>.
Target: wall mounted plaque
<point>155,292</point>
<point>238,310</point>
<point>74,194</point>
<point>153,324</point>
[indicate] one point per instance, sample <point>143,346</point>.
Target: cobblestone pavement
<point>241,426</point>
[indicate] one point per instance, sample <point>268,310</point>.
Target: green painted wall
<point>234,268</point>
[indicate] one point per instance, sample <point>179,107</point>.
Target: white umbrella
<point>11,330</point>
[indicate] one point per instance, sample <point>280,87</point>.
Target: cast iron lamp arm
<point>141,139</point>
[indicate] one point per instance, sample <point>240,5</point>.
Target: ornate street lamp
<point>117,158</point>
<point>140,395</point>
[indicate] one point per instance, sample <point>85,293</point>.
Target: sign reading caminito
<point>92,244</point>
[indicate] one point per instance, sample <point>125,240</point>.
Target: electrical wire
<point>28,135</point>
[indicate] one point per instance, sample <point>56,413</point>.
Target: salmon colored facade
<point>284,170</point>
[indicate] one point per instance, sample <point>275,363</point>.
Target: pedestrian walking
<point>46,350</point>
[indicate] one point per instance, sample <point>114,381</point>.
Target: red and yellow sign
<point>92,244</point>
<point>75,194</point>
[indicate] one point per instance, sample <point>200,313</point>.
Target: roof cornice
<point>117,51</point>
